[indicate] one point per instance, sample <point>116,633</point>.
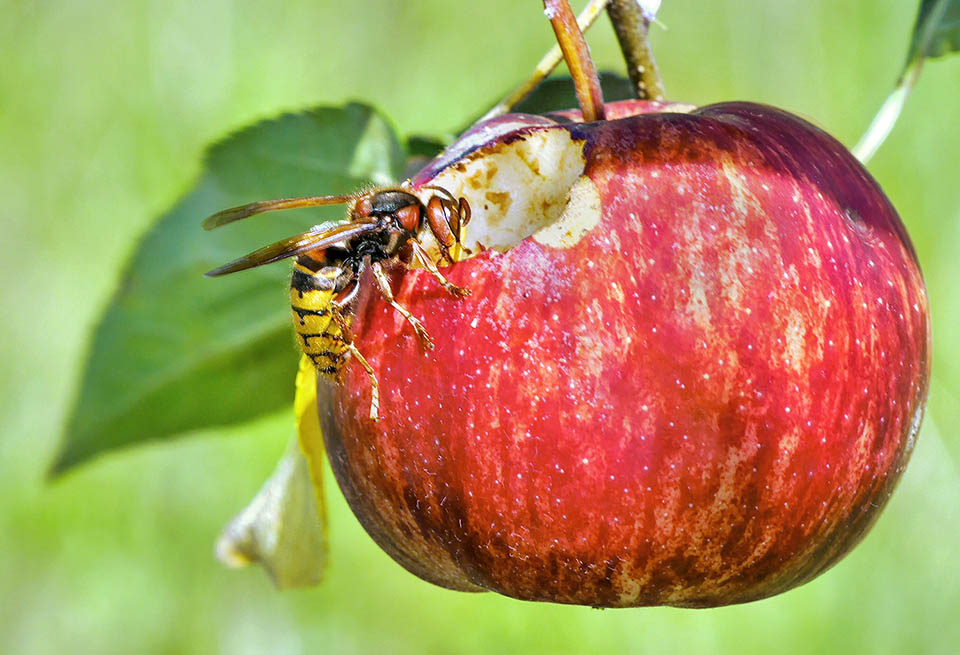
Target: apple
<point>691,370</point>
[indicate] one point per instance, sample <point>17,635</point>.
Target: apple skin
<point>707,399</point>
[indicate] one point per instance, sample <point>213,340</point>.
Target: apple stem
<point>576,53</point>
<point>886,117</point>
<point>631,23</point>
<point>550,61</point>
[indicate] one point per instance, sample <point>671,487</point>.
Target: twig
<point>576,53</point>
<point>882,124</point>
<point>546,65</point>
<point>631,26</point>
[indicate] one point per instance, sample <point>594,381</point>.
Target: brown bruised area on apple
<point>702,395</point>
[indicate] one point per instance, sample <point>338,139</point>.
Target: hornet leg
<point>353,350</point>
<point>384,284</point>
<point>428,264</point>
<point>374,385</point>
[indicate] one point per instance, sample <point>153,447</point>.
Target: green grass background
<point>105,108</point>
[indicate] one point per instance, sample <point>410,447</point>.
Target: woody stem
<point>576,53</point>
<point>631,26</point>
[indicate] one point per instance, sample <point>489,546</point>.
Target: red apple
<point>691,371</point>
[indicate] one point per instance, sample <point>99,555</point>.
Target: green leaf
<point>176,351</point>
<point>421,148</point>
<point>936,31</point>
<point>557,93</point>
<point>282,528</point>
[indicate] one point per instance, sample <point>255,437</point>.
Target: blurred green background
<point>105,108</point>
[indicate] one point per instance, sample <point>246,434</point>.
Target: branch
<point>576,53</point>
<point>631,24</point>
<point>546,65</point>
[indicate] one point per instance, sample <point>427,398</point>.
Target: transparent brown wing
<point>243,211</point>
<point>293,246</point>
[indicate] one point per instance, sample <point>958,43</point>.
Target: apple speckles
<point>723,456</point>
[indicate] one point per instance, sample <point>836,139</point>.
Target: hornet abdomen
<point>315,318</point>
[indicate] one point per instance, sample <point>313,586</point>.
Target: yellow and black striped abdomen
<point>318,332</point>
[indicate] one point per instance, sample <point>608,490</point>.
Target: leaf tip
<point>62,462</point>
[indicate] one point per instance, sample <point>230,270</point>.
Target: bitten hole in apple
<point>518,188</point>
